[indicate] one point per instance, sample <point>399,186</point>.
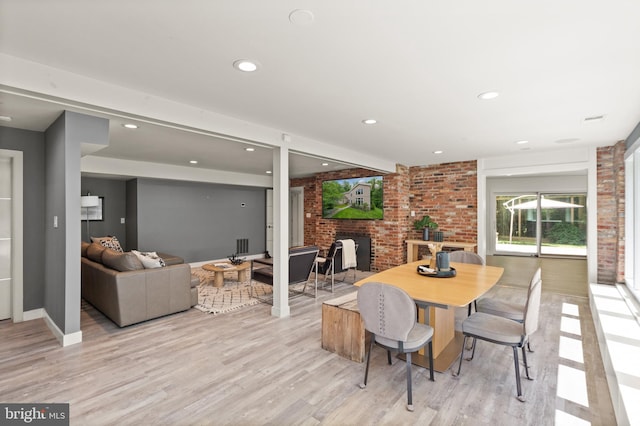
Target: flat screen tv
<point>356,198</point>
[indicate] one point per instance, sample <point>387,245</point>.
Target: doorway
<point>541,224</point>
<point>11,245</point>
<point>296,216</point>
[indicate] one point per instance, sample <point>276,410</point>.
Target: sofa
<point>118,285</point>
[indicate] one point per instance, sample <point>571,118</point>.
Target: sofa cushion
<point>83,248</point>
<point>149,259</point>
<point>109,242</point>
<point>94,252</point>
<point>121,261</point>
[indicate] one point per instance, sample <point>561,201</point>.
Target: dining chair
<point>506,309</point>
<point>389,314</point>
<point>463,256</point>
<point>504,331</point>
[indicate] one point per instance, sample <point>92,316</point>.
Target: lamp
<point>87,201</point>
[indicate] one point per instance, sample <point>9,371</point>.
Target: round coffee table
<point>219,268</point>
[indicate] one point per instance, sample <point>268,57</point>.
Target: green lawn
<point>352,213</point>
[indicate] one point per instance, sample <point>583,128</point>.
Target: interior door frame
<point>17,251</point>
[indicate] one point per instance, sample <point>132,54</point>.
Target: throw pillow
<point>121,261</point>
<point>109,242</point>
<point>149,259</point>
<point>94,252</point>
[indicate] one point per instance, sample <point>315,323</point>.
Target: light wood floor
<point>248,368</point>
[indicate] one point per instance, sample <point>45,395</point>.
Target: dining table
<point>437,300</point>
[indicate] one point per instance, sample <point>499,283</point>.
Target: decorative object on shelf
<point>235,260</point>
<point>90,203</point>
<point>425,224</point>
<point>438,236</point>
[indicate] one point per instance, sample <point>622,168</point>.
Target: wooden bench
<point>342,328</point>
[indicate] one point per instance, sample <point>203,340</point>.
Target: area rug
<point>235,295</point>
<point>230,297</point>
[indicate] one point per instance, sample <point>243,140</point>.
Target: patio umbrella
<point>545,203</point>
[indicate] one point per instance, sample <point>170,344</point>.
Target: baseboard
<point>63,339</point>
<point>616,324</point>
<point>33,314</point>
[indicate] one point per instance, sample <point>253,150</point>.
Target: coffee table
<point>219,268</point>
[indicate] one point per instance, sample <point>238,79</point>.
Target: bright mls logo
<point>34,414</point>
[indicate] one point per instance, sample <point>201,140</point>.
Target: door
<point>541,224</point>
<point>5,237</point>
<point>296,217</point>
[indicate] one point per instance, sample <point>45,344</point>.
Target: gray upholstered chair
<point>389,314</point>
<point>506,309</point>
<point>503,331</point>
<point>463,256</point>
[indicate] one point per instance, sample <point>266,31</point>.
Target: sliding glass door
<point>541,224</point>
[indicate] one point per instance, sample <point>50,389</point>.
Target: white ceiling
<point>415,66</point>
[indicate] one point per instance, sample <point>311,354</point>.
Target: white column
<point>280,233</point>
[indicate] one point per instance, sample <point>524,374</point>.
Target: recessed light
<point>269,172</point>
<point>245,65</point>
<point>5,118</point>
<point>249,149</point>
<point>522,142</point>
<point>194,161</point>
<point>438,152</point>
<point>488,95</point>
<point>130,126</point>
<point>325,164</point>
<point>370,121</point>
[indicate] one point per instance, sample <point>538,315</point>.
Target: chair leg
<point>366,369</point>
<point>529,346</point>
<point>464,343</point>
<point>517,365</point>
<point>473,348</point>
<point>526,365</point>
<point>469,313</point>
<point>409,395</point>
<point>431,361</point>
<point>389,357</point>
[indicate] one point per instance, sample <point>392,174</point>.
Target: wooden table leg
<point>243,275</point>
<point>446,342</point>
<point>218,279</point>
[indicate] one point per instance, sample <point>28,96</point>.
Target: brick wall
<point>387,235</point>
<point>448,193</point>
<point>610,216</point>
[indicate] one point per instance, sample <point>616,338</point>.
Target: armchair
<point>301,261</point>
<point>333,265</point>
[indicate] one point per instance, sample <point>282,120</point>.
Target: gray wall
<point>32,146</point>
<point>62,200</point>
<point>196,221</point>
<point>113,208</point>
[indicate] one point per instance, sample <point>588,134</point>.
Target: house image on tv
<point>359,195</point>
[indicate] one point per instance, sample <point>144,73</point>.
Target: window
<point>632,219</point>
